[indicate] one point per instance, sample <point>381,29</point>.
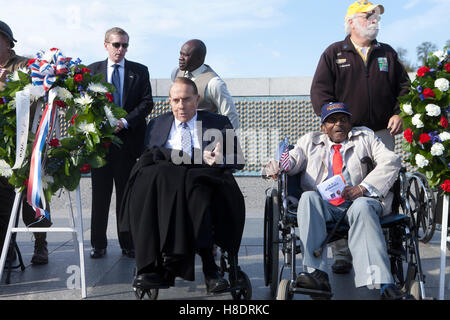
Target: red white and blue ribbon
<point>44,73</point>
<point>34,188</point>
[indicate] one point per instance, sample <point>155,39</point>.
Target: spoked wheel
<point>246,292</point>
<point>422,203</point>
<point>141,294</point>
<point>284,290</point>
<point>271,241</point>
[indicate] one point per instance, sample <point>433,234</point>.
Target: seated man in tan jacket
<point>337,151</point>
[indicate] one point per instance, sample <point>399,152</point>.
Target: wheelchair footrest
<point>315,293</point>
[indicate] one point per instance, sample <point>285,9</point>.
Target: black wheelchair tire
<point>152,294</point>
<point>246,292</point>
<point>423,206</point>
<point>271,242</point>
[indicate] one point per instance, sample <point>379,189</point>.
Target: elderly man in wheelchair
<point>181,198</point>
<point>338,188</point>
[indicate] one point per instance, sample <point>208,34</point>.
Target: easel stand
<point>443,247</point>
<point>76,229</point>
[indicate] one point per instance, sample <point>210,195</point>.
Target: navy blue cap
<point>333,107</point>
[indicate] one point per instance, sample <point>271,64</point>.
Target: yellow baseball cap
<point>362,6</point>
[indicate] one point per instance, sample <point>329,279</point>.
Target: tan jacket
<point>311,157</point>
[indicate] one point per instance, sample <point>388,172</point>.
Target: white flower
<point>15,75</point>
<point>112,120</point>
<point>421,161</point>
<point>444,136</point>
<point>440,54</point>
<point>5,169</point>
<point>432,110</point>
<point>84,100</point>
<point>35,91</point>
<point>407,108</point>
<point>437,149</point>
<point>63,93</point>
<point>86,128</point>
<point>442,84</point>
<point>97,87</point>
<point>416,121</point>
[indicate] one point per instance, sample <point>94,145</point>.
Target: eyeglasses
<point>333,120</point>
<point>373,15</point>
<point>118,44</point>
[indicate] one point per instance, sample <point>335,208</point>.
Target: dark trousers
<point>115,172</point>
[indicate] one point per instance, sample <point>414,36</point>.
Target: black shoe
<point>40,255</point>
<point>129,253</point>
<point>215,283</point>
<point>318,280</point>
<point>153,280</point>
<point>341,267</point>
<point>393,293</point>
<point>97,253</point>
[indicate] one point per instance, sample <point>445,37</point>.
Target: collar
<point>190,123</point>
<point>348,45</point>
<point>121,63</point>
<point>198,71</point>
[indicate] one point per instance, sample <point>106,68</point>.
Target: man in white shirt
<point>214,95</point>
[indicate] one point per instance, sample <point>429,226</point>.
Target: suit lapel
<point>165,130</point>
<point>103,70</point>
<point>128,81</point>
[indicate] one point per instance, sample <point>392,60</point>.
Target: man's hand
<point>215,156</point>
<point>395,125</point>
<point>119,126</point>
<point>352,193</point>
<point>272,169</point>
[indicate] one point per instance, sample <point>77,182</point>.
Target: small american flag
<point>284,159</point>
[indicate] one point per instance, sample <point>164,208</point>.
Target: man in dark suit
<point>134,94</point>
<point>181,197</point>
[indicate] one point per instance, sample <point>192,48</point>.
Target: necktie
<point>186,139</point>
<point>115,79</point>
<point>337,169</point>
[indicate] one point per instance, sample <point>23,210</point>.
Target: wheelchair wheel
<point>271,239</point>
<point>152,294</point>
<point>422,203</point>
<point>246,292</point>
<point>284,292</point>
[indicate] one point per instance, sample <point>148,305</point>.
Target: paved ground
<point>110,278</point>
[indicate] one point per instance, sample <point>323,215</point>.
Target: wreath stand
<point>76,229</point>
<point>443,247</point>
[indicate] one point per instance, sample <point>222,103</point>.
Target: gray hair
<point>347,26</point>
<point>115,30</point>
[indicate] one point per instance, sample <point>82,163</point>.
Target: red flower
<point>60,104</point>
<point>107,144</point>
<point>2,101</point>
<point>54,143</point>
<point>78,78</point>
<point>444,122</point>
<point>428,93</point>
<point>72,121</point>
<point>447,67</point>
<point>110,97</point>
<point>408,135</point>
<point>446,186</point>
<point>54,49</point>
<point>30,62</point>
<point>85,70</point>
<point>86,168</point>
<point>424,137</point>
<point>422,71</point>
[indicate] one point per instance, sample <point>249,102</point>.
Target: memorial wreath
<point>425,112</point>
<point>63,88</point>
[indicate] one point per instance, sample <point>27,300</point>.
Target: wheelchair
<point>280,223</point>
<point>240,286</point>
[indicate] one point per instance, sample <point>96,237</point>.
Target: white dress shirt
<point>174,140</point>
<point>109,72</point>
<point>217,91</point>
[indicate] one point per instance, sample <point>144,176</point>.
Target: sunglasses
<point>118,44</point>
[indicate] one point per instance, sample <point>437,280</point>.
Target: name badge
<point>383,64</point>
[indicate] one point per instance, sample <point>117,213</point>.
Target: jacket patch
<point>344,65</point>
<point>383,64</point>
<point>341,61</point>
